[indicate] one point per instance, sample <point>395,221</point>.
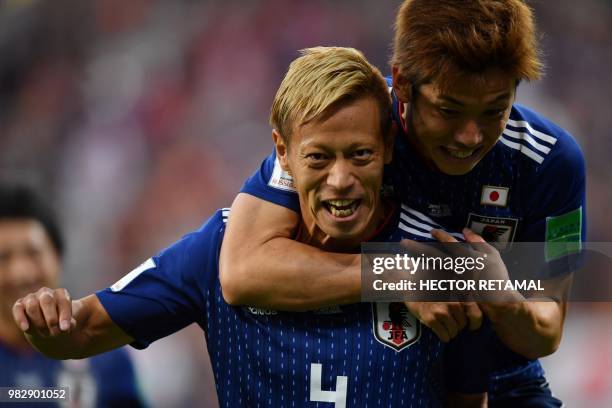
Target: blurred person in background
<point>31,251</point>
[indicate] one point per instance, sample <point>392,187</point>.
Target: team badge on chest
<point>394,326</point>
<point>498,231</point>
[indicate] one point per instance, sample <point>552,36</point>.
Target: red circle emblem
<point>494,196</point>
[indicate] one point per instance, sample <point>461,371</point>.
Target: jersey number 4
<point>338,397</point>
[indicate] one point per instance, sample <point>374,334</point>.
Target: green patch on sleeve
<point>563,234</point>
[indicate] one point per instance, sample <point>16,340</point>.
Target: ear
<point>401,85</point>
<point>390,142</point>
<point>281,149</point>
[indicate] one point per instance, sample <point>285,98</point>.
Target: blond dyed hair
<point>322,80</point>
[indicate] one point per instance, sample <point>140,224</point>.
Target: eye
<point>362,154</point>
<point>316,159</point>
<point>316,156</point>
<point>448,112</point>
<point>494,113</point>
<point>33,253</point>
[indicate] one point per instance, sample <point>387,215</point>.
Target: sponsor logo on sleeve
<point>493,195</point>
<point>281,179</point>
<point>394,326</point>
<point>498,231</point>
<point>563,234</point>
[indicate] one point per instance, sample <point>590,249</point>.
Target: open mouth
<point>341,208</point>
<point>461,154</point>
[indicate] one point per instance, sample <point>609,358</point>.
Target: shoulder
<point>540,142</point>
<point>195,257</point>
<point>206,238</point>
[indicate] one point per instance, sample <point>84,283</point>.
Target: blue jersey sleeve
<point>167,292</point>
<point>116,380</point>
<point>271,183</point>
<point>557,216</point>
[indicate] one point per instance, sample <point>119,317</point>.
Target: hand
<point>495,269</point>
<point>45,313</point>
<point>447,319</point>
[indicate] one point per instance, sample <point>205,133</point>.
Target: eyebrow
<point>448,98</point>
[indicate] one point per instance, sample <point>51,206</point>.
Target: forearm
<point>530,328</point>
<point>283,274</point>
<point>260,265</point>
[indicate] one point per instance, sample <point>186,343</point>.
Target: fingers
<point>482,245</point>
<point>474,315</point>
<point>447,316</point>
<point>46,312</point>
<point>471,236</point>
<point>64,307</point>
<point>442,236</point>
<point>48,306</point>
<point>459,317</point>
<point>34,314</point>
<point>19,315</point>
<point>444,319</point>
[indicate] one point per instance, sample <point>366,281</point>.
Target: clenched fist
<point>45,313</point>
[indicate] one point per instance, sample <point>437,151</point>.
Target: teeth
<point>341,203</point>
<point>459,154</point>
<point>341,213</point>
<point>342,208</point>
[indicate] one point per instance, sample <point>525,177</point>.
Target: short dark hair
<point>22,202</point>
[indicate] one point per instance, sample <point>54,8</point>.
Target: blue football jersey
<point>375,355</point>
<point>106,380</point>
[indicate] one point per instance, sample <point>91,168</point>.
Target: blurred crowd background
<point>139,118</point>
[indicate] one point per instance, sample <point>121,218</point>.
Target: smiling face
<point>28,260</point>
<point>337,167</point>
<point>455,128</point>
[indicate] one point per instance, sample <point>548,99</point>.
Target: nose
<point>469,134</point>
<point>340,176</point>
